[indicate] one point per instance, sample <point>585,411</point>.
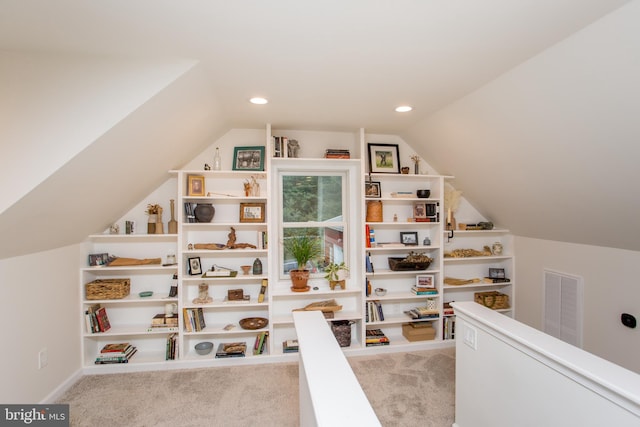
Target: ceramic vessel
<point>204,212</point>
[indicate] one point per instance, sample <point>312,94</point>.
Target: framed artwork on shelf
<point>248,158</point>
<point>419,210</point>
<point>195,185</point>
<point>98,259</point>
<point>384,158</point>
<point>252,212</point>
<point>195,267</point>
<point>425,281</point>
<point>372,190</point>
<point>496,273</point>
<point>409,238</point>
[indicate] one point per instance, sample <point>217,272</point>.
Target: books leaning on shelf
<point>419,290</point>
<point>449,328</point>
<point>115,353</point>
<point>234,349</point>
<point>375,337</point>
<point>374,312</point>
<point>260,346</point>
<point>96,319</point>
<point>172,347</point>
<point>193,319</point>
<point>420,313</point>
<point>290,346</point>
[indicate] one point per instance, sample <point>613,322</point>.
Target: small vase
<point>416,169</point>
<point>204,212</point>
<point>151,224</point>
<point>159,225</point>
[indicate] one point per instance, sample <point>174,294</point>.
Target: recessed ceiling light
<point>258,101</point>
<point>403,109</point>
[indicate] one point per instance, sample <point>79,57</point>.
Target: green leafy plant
<point>303,249</point>
<point>333,269</point>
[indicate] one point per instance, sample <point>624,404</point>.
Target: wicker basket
<point>374,211</point>
<point>108,289</point>
<point>342,331</point>
<point>492,299</point>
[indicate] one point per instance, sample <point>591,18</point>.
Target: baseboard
<point>64,386</point>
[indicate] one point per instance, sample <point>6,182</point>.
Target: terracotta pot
<point>299,279</point>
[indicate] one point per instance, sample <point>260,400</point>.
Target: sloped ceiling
<point>496,88</point>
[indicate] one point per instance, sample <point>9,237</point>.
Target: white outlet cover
<point>471,337</point>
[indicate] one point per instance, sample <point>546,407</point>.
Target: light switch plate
<point>470,337</point>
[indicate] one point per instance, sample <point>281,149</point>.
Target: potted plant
<point>335,276</point>
<point>303,249</point>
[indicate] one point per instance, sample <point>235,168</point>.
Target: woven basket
<point>108,289</point>
<point>374,211</point>
<point>342,331</point>
<point>492,299</point>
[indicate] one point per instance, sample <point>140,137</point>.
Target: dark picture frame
<point>96,260</point>
<point>195,266</point>
<point>384,158</point>
<point>372,190</point>
<point>195,185</point>
<point>409,238</point>
<point>252,212</point>
<point>496,273</point>
<point>248,158</point>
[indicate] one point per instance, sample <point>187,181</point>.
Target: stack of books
<point>420,313</point>
<point>193,319</point>
<point>162,322</point>
<point>337,153</point>
<point>233,349</point>
<point>172,347</point>
<point>290,346</point>
<point>115,353</point>
<point>376,337</point>
<point>420,290</point>
<point>374,312</point>
<point>447,310</point>
<point>260,346</point>
<point>96,319</point>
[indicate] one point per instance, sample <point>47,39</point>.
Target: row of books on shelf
<point>193,319</point>
<point>449,328</point>
<point>96,319</point>
<point>115,353</point>
<point>375,337</point>
<point>374,312</point>
<point>172,347</point>
<point>260,345</point>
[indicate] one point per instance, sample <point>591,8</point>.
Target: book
<point>234,349</point>
<point>161,320</point>
<point>115,347</point>
<point>220,272</point>
<point>423,291</point>
<point>103,319</point>
<point>496,280</point>
<point>263,290</point>
<point>290,346</point>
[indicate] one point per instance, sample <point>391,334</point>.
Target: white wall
<point>40,300</point>
<point>610,288</point>
<point>54,106</point>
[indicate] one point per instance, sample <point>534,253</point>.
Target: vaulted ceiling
<point>512,97</point>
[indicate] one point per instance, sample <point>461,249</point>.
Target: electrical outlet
<point>471,337</point>
<point>43,358</point>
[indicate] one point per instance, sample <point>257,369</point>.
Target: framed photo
<point>496,273</point>
<point>248,158</point>
<point>252,212</point>
<point>195,267</point>
<point>384,158</point>
<point>419,210</point>
<point>409,238</point>
<point>96,260</point>
<point>425,281</point>
<point>372,190</point>
<point>195,185</point>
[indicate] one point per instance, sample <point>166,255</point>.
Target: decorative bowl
<point>398,264</point>
<point>423,194</point>
<point>145,294</point>
<point>253,323</point>
<point>203,348</point>
<point>380,292</point>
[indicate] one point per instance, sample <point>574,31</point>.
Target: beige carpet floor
<point>415,388</point>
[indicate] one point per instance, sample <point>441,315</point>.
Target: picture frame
<point>195,185</point>
<point>409,238</point>
<point>96,260</point>
<point>195,266</point>
<point>248,158</point>
<point>496,273</point>
<point>252,212</point>
<point>426,281</point>
<point>384,158</point>
<point>372,190</point>
<point>420,210</point>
